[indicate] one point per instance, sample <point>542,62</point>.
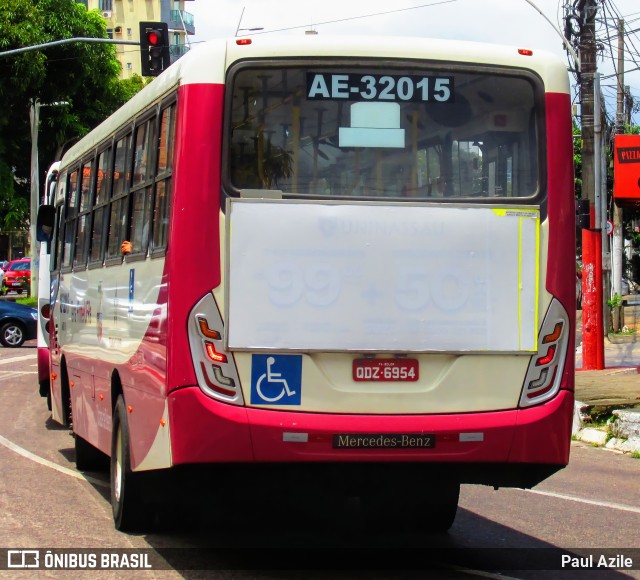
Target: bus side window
<point>103,178</point>
<point>118,206</point>
<point>162,198</point>
<point>58,232</point>
<point>142,186</point>
<point>70,220</point>
<point>84,216</point>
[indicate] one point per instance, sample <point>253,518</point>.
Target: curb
<point>621,434</point>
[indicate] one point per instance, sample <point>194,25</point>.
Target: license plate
<point>385,369</point>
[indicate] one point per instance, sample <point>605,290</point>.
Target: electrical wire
<point>349,18</point>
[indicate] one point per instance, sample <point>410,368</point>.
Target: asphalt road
<point>591,506</point>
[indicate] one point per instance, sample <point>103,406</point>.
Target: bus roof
<point>208,63</point>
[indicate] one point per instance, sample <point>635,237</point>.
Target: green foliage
<point>85,75</point>
<point>577,160</point>
<point>615,302</point>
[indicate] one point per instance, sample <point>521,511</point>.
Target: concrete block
<point>579,414</point>
<point>626,423</point>
<point>631,445</point>
<point>615,443</point>
<point>624,445</point>
<point>593,436</point>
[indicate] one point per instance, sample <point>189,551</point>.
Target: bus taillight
<point>215,368</point>
<point>206,331</point>
<point>45,311</point>
<point>213,354</point>
<point>545,368</point>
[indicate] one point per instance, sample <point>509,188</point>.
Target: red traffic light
<point>154,37</point>
<point>154,48</point>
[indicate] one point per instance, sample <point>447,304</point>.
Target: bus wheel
<point>65,397</point>
<point>88,457</point>
<point>129,510</point>
<point>439,511</point>
<point>428,508</point>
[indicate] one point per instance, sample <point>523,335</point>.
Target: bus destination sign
<point>383,88</point>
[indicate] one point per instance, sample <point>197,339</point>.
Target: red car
<point>17,276</point>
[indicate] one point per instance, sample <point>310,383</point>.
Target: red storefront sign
<point>626,170</point>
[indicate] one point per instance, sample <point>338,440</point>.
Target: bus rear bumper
<point>207,431</point>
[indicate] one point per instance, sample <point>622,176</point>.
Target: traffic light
<point>583,217</point>
<point>154,48</point>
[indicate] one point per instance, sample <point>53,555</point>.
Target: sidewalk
<point>614,390</point>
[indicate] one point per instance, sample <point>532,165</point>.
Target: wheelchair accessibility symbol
<point>276,379</point>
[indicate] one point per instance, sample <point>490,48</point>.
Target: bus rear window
<point>394,133</point>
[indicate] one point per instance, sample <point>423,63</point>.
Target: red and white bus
<point>346,257</point>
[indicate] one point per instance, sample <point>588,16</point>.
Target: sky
<point>512,22</point>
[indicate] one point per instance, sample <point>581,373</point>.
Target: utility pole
<point>617,246</point>
<point>34,118</point>
<point>592,311</point>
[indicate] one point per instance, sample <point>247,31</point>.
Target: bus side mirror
<point>45,222</point>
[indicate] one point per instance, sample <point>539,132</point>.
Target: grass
<point>28,301</point>
<point>628,332</point>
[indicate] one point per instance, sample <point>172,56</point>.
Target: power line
<point>349,18</point>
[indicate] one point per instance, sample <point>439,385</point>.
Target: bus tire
<point>88,457</point>
<point>129,510</point>
<point>439,511</point>
<point>65,396</point>
<point>44,389</point>
<point>427,508</point>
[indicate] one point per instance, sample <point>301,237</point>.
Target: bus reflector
<point>243,41</point>
<point>217,373</point>
<point>525,52</point>
<point>546,385</point>
<point>215,387</point>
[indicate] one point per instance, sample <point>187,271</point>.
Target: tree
<point>82,74</point>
